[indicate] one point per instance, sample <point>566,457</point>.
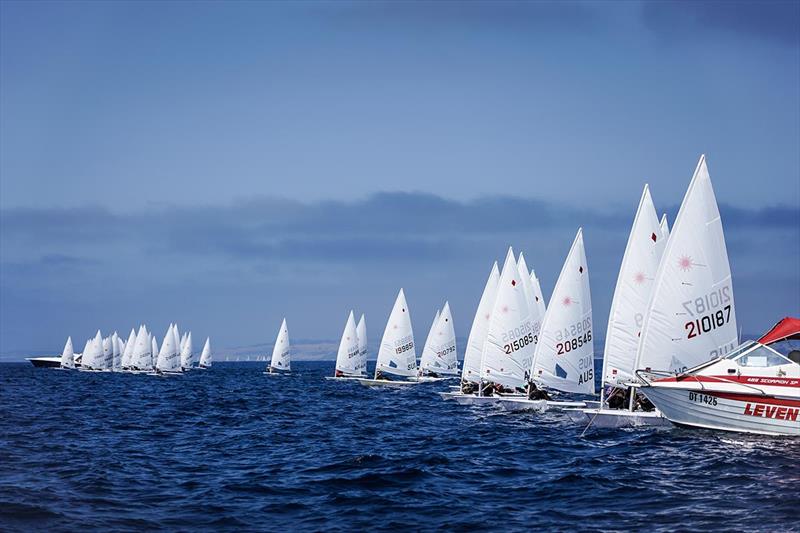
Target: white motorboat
<point>754,389</point>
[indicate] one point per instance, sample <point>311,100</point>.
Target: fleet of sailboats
<point>139,354</point>
<point>671,339</point>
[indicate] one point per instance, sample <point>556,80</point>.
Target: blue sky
<point>226,164</point>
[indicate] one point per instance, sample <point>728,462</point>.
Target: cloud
<point>772,20</point>
<point>231,269</point>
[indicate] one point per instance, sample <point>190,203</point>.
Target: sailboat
<point>168,362</point>
<point>510,340</point>
<point>116,352</point>
<point>127,353</point>
<point>361,332</point>
<point>93,359</point>
<point>281,362</point>
<point>348,358</point>
<point>68,355</point>
<point>187,357</point>
<point>205,356</point>
<point>396,357</point>
<point>564,351</point>
<point>428,354</point>
<point>439,358</point>
<point>471,366</point>
<point>635,283</point>
<point>691,317</point>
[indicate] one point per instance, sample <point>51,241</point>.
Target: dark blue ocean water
<point>231,449</point>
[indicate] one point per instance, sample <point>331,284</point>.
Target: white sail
<point>141,358</point>
<point>127,355</point>
<point>347,358</point>
<point>116,354</point>
<point>632,294</point>
<point>281,353</point>
<point>79,357</point>
<point>68,355</point>
<point>177,340</point>
<point>186,351</point>
<point>530,294</point>
<point>538,296</point>
<point>361,331</point>
<point>471,370</point>
<point>108,354</point>
<point>396,354</point>
<point>565,353</point>
<point>691,317</point>
<point>443,343</point>
<point>153,349</point>
<point>428,354</point>
<point>168,356</point>
<point>664,227</point>
<point>93,357</point>
<point>205,357</point>
<point>510,341</point>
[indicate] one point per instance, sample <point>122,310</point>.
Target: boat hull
<point>342,378</point>
<point>45,362</point>
<point>385,383</point>
<point>617,418</point>
<point>763,415</point>
<point>524,404</point>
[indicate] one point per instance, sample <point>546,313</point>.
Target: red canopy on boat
<point>788,328</point>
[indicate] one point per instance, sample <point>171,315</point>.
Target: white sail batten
<point>509,347</point>
<point>281,353</point>
<point>691,316</point>
<point>632,293</point>
<point>205,356</point>
<point>396,354</point>
<point>564,357</point>
<point>471,366</point>
<point>68,355</point>
<point>347,358</point>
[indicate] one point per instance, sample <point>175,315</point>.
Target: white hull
<point>472,399</point>
<point>343,378</point>
<point>385,383</point>
<point>268,373</point>
<point>428,379</point>
<point>617,418</point>
<point>523,404</point>
<point>713,410</point>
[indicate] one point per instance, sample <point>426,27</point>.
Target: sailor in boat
<point>468,387</point>
<point>380,375</point>
<point>535,393</point>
